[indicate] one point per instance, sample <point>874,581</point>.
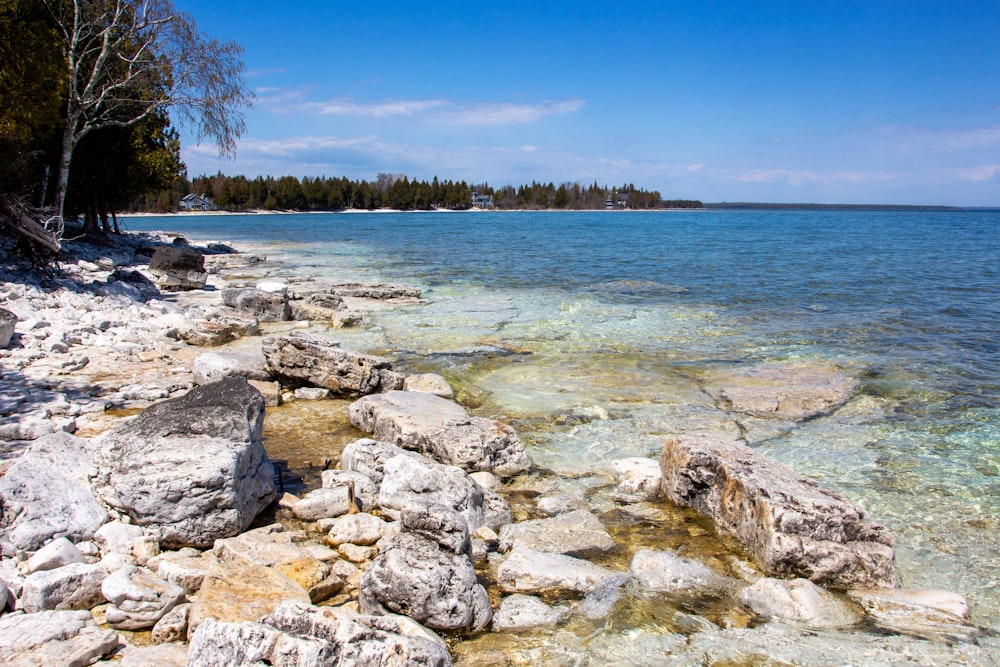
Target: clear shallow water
<point>613,317</point>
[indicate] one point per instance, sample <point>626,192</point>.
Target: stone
<point>186,567</point>
<point>442,430</point>
<point>487,480</point>
<point>639,479</point>
<point>57,553</point>
<point>797,600</point>
<point>323,504</point>
<point>193,468</point>
<point>265,306</point>
<point>172,627</point>
<point>364,489</point>
<point>138,598</point>
<point>561,503</point>
<point>301,634</point>
<point>666,572</point>
<point>40,502</point>
<point>312,393</point>
<point>8,321</point>
<point>528,571</point>
<point>274,548</point>
<point>70,638</point>
<point>161,655</point>
<point>368,457</point>
<point>73,586</point>
<point>361,528</point>
<point>922,613</point>
<point>793,391</point>
<point>241,591</point>
<point>271,391</point>
<point>310,359</point>
<point>355,553</point>
<point>429,383</point>
<point>214,366</point>
<point>415,576</point>
<point>577,533</point>
<point>408,482</point>
<point>518,613</point>
<point>178,268</point>
<point>788,525</point>
<point>118,537</point>
<point>272,286</point>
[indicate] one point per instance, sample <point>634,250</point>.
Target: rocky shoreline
<point>146,541</point>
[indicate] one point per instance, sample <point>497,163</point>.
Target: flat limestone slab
<point>788,525</point>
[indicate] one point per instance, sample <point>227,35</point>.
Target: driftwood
<point>28,228</point>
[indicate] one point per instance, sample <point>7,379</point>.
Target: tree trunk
<point>103,210</point>
<point>62,182</point>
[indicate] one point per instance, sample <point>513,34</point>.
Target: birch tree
<point>129,59</point>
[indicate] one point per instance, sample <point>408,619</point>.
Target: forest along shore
<point>143,518</point>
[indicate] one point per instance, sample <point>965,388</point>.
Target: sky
<point>894,102</point>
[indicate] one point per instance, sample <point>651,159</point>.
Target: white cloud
<point>505,113</point>
<point>951,139</point>
<point>384,109</point>
<point>983,174</point>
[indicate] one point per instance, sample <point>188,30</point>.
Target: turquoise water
<point>613,316</point>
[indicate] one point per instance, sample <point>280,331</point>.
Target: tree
<point>126,60</point>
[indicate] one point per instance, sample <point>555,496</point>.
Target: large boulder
<point>211,367</point>
<point>426,573</point>
<point>441,429</point>
<point>266,306</point>
<point>787,524</point>
<point>320,362</point>
<point>73,586</point>
<point>178,268</point>
<point>193,467</point>
<point>8,321</point>
<point>296,633</point>
<point>43,496</point>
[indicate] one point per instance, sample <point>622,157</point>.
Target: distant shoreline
<point>763,206</point>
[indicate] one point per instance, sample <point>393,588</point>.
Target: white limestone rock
<point>518,613</point>
<point>57,553</point>
<point>528,571</point>
<point>73,586</point>
<point>139,598</point>
<point>53,638</point>
<point>797,600</point>
<point>577,533</point>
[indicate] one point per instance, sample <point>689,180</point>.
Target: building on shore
<point>193,202</point>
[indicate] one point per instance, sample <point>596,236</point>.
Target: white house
<point>195,202</point>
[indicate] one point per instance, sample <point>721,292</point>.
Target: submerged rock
<point>525,612</point>
<point>928,614</point>
<point>530,571</point>
<point>797,600</point>
<point>577,533</point>
<point>666,572</point>
<point>788,525</point>
<point>194,467</point>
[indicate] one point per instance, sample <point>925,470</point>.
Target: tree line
<point>397,191</point>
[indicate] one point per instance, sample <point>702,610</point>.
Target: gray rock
<point>8,321</point>
<point>73,586</point>
<point>379,291</point>
<point>561,503</point>
<point>639,479</point>
<point>797,600</point>
<point>518,613</point>
<point>408,482</point>
<point>577,533</point>
<point>161,655</point>
<point>193,468</point>
<point>57,553</point>
<point>926,614</point>
<point>321,362</point>
<point>312,393</point>
<point>792,391</point>
<point>172,627</point>
<point>442,430</point>
<point>301,634</point>
<point>429,383</point>
<point>118,537</point>
<point>326,504</point>
<point>69,638</point>
<point>186,567</point>
<point>361,528</point>
<point>666,572</point>
<point>40,503</point>
<point>138,598</point>
<point>440,524</point>
<point>265,306</point>
<point>787,524</point>
<point>368,457</point>
<point>417,577</point>
<point>177,268</point>
<point>530,571</point>
<point>214,366</point>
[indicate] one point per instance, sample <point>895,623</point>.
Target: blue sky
<point>835,102</point>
